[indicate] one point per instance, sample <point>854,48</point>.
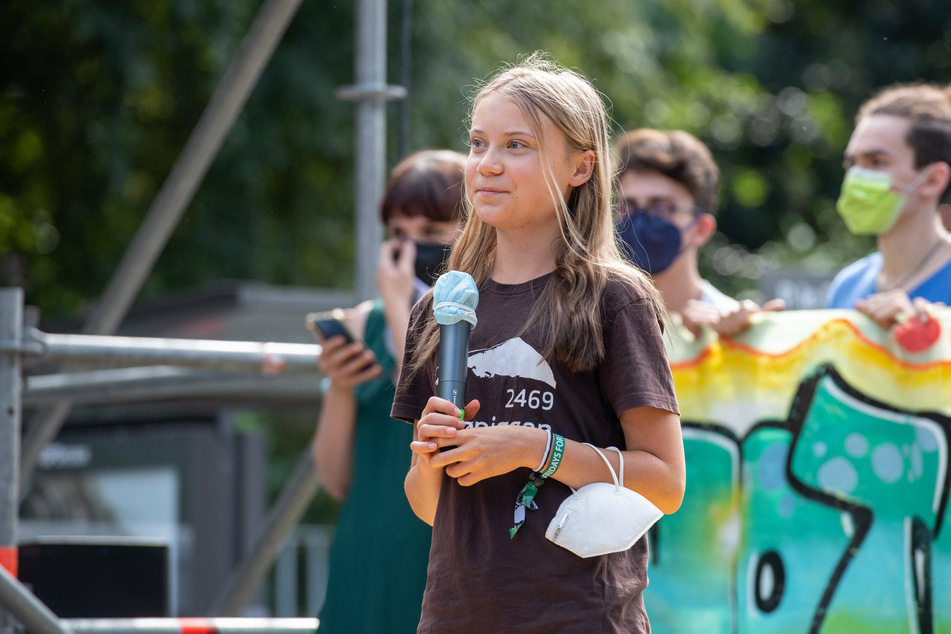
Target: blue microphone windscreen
<point>455,298</point>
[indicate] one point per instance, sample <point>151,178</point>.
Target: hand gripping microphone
<point>455,298</point>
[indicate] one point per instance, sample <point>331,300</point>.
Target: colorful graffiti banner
<point>817,480</point>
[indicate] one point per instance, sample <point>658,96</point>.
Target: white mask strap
<point>608,462</point>
<point>907,189</point>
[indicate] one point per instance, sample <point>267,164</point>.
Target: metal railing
<point>301,572</point>
<point>205,371</point>
<point>203,364</point>
<point>191,626</point>
<point>212,354</point>
<point>26,608</point>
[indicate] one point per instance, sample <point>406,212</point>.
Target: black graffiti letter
<point>768,590</point>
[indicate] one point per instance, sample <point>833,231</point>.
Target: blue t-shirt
<point>857,281</point>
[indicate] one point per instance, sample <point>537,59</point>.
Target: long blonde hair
<point>588,256</point>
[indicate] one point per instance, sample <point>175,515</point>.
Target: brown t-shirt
<point>480,580</point>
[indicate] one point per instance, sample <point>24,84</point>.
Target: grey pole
<point>371,140</point>
<point>11,324</point>
<point>284,515</point>
<point>168,383</point>
<point>179,625</point>
<point>26,608</point>
<point>371,94</point>
<point>247,356</point>
<point>176,193</point>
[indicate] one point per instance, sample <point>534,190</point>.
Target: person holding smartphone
<point>380,551</point>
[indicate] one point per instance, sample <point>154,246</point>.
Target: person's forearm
<point>333,445</point>
<point>644,472</point>
<point>422,487</point>
<point>661,483</point>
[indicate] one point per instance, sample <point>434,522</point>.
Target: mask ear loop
<point>620,456</point>
<point>918,180</point>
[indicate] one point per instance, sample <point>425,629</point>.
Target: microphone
<point>455,298</point>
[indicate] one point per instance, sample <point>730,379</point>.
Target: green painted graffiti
<point>828,521</point>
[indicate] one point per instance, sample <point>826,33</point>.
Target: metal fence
<point>218,362</point>
<point>162,368</point>
<point>300,572</point>
<point>191,626</point>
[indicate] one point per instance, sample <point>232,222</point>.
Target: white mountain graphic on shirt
<point>513,358</point>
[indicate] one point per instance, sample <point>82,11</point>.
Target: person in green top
<point>380,551</point>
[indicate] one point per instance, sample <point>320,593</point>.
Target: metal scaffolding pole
<point>192,626</point>
<point>11,324</point>
<point>166,383</point>
<point>370,93</point>
<point>104,386</point>
<point>177,191</point>
<point>26,608</point>
<point>238,356</point>
<point>232,370</point>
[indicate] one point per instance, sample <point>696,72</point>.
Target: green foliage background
<point>99,98</point>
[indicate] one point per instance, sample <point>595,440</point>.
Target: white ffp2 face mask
<point>602,518</point>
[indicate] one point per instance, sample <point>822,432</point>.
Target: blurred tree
<point>818,62</point>
<point>771,85</point>
<point>97,100</point>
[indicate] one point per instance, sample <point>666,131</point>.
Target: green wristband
<point>557,451</point>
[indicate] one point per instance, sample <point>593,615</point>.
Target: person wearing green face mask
<point>898,164</point>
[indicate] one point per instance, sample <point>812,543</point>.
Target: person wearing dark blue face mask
<point>650,237</point>
<point>360,454</point>
<point>668,181</point>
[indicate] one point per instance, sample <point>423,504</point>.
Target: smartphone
<point>329,324</point>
